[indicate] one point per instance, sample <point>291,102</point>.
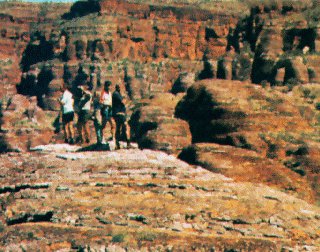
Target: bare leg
<point>103,126</point>
<point>65,131</point>
<point>86,132</point>
<point>79,128</point>
<point>128,136</point>
<point>70,132</point>
<point>112,128</point>
<point>118,133</point>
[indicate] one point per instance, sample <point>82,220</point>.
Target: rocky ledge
<point>56,199</point>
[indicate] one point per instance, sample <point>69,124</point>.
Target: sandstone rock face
<point>145,201</point>
<point>146,47</point>
<point>149,47</point>
<point>249,117</point>
<point>15,21</point>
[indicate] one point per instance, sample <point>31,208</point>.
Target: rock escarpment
<point>150,49</point>
<point>16,19</point>
<point>22,122</point>
<point>147,47</point>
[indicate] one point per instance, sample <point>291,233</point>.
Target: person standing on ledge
<point>66,102</point>
<point>96,117</point>
<point>106,109</point>
<point>120,117</point>
<point>84,114</point>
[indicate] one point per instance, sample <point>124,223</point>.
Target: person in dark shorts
<point>106,108</point>
<point>66,102</point>
<point>84,114</point>
<point>120,117</point>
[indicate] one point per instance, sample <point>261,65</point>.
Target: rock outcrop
<point>24,124</point>
<point>144,46</point>
<point>16,20</point>
<point>149,47</point>
<point>155,127</point>
<point>145,201</point>
<point>249,117</point>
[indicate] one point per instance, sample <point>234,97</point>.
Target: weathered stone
<point>155,127</point>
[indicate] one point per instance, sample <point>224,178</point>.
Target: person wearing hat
<point>106,108</point>
<point>84,114</point>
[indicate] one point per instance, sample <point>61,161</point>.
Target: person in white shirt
<point>106,108</point>
<point>67,102</point>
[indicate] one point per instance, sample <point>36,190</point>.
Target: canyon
<point>224,107</point>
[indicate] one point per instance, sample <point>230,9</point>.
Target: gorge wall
<point>149,48</point>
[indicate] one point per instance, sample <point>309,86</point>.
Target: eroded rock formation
<point>249,117</point>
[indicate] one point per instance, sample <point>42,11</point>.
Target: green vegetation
<point>117,238</point>
<point>30,235</point>
<point>295,166</point>
<point>312,15</point>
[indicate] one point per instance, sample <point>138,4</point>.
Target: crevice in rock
<point>221,69</point>
<point>298,39</point>
<point>27,217</point>
<point>189,155</point>
<point>140,129</point>
<point>253,27</point>
<point>38,50</point>
<point>262,69</point>
<point>210,33</point>
<point>137,40</point>
<point>45,76</point>
<point>233,39</point>
<point>208,71</point>
<point>17,188</point>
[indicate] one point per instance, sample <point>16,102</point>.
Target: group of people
<point>106,107</point>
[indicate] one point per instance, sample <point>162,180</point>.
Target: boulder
<point>171,136</point>
<point>184,81</point>
<point>253,118</point>
<point>155,127</point>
